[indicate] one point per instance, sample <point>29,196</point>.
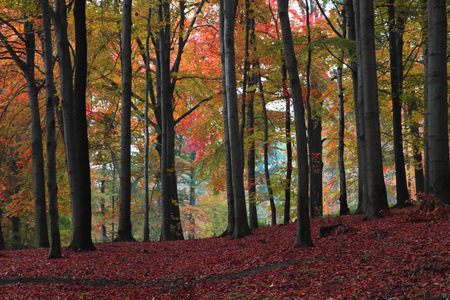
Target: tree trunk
<point>81,237</point>
<point>303,237</point>
<point>40,216</point>
<point>52,185</point>
<point>124,232</point>
<point>354,34</point>
<point>439,172</point>
<point>249,97</point>
<point>376,189</point>
<point>146,232</point>
<point>241,228</point>
<point>314,136</point>
<point>82,214</point>
<point>396,28</point>
<point>273,210</point>
<point>343,206</point>
<point>287,187</point>
<point>229,179</point>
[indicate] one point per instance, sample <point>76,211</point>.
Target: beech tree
<point>376,189</point>
<point>439,170</point>
<point>303,237</point>
<point>396,28</point>
<point>52,186</point>
<point>124,231</point>
<point>74,117</point>
<point>241,228</point>
<point>27,67</point>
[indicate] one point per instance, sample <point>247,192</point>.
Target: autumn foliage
<point>388,258</point>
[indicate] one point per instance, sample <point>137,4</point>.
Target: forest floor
<point>403,255</point>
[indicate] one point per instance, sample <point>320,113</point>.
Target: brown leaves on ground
<point>388,258</point>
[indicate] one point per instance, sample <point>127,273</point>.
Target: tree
<point>124,232</point>
<point>52,186</point>
<point>314,133</point>
<point>376,189</point>
<point>250,95</point>
<point>74,117</point>
<point>439,170</point>
<point>241,228</point>
<point>229,178</point>
<point>28,69</point>
<point>396,28</point>
<point>266,156</point>
<point>303,237</point>
<point>343,206</point>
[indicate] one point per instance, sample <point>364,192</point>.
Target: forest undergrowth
<point>403,255</point>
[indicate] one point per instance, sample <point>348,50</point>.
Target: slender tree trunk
<point>241,228</point>
<point>303,237</point>
<point>343,206</point>
<point>147,135</point>
<point>439,171</point>
<point>287,188</point>
<point>354,33</point>
<point>396,28</point>
<point>167,134</point>
<point>377,197</point>
<point>314,135</point>
<point>125,228</point>
<point>229,179</point>
<point>249,97</point>
<point>40,216</point>
<point>67,102</point>
<point>52,186</point>
<point>273,210</point>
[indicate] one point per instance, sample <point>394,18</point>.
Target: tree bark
<point>287,116</point>
<point>82,227</point>
<point>273,210</point>
<point>376,189</point>
<point>40,216</point>
<point>303,237</point>
<point>146,232</point>
<point>396,28</point>
<point>343,206</point>
<point>241,228</point>
<point>439,169</point>
<point>249,98</point>
<point>354,34</point>
<point>229,179</point>
<point>314,136</point>
<point>52,185</point>
<point>124,232</point>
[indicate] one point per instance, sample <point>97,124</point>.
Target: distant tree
<point>303,237</point>
<point>439,170</point>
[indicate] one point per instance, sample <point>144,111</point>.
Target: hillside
<point>395,257</point>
